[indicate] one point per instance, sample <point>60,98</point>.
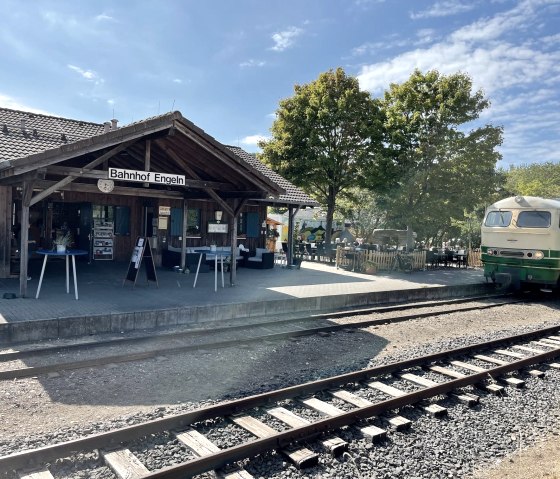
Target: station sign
<point>153,177</point>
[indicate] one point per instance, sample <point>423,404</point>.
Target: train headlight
<point>489,252</point>
<point>538,255</point>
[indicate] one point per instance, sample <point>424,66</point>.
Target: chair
<point>462,258</point>
<point>431,260</point>
<point>320,252</point>
<point>262,259</point>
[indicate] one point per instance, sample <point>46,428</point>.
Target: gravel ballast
<point>44,410</point>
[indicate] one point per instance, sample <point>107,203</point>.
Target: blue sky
<point>225,64</point>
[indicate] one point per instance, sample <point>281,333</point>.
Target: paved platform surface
<point>101,290</point>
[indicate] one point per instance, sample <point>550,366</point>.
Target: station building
<point>162,178</point>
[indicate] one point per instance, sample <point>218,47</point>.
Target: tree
<point>541,179</point>
<point>324,137</point>
<point>436,169</point>
<point>360,207</point>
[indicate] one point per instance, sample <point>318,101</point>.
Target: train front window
<point>533,219</point>
<point>499,219</point>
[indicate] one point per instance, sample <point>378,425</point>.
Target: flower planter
<point>60,248</point>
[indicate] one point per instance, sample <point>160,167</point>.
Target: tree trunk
<point>331,201</point>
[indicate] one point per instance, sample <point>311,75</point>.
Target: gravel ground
<point>516,427</point>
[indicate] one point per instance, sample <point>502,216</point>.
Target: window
<point>193,222</point>
<point>122,220</point>
<point>533,219</point>
<point>241,224</point>
<point>103,212</point>
<point>499,219</point>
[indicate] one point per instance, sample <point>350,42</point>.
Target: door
<point>84,235</point>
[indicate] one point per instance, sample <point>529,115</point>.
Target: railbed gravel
<point>453,446</point>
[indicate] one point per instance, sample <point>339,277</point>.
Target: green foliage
<point>434,168</point>
<point>360,207</point>
<point>542,179</point>
<point>325,137</point>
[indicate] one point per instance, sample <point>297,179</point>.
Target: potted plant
<point>62,241</point>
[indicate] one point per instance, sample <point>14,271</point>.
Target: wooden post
<point>27,192</point>
<point>5,230</point>
<point>147,158</point>
<point>291,217</point>
<point>233,240</point>
<point>184,236</point>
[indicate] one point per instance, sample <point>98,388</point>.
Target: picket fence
<point>383,261</point>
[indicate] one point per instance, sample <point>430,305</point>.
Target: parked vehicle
<point>521,242</point>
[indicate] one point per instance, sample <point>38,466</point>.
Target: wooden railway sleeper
<point>222,458</point>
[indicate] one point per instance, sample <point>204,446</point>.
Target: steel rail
<point>282,439</point>
<point>19,373</point>
<point>20,354</point>
<point>36,457</point>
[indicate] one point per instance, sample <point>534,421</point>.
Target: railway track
<point>286,420</point>
<point>228,336</point>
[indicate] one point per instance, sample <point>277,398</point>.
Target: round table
<point>69,252</point>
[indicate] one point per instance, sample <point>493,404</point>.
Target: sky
<point>226,64</point>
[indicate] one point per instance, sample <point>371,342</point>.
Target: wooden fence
<point>360,260</point>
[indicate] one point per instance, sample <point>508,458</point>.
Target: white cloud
<point>103,17</point>
<point>476,49</point>
<point>521,77</point>
<point>444,8</point>
<point>253,140</point>
<point>252,63</point>
<point>491,28</point>
<point>177,80</point>
<point>285,39</point>
<point>367,3</point>
<point>14,104</point>
<point>87,74</point>
<point>425,35</point>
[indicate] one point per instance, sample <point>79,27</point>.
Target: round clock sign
<point>106,186</point>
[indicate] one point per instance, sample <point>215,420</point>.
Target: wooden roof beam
<point>38,197</point>
<point>256,176</point>
<point>119,190</point>
<point>193,173</point>
<point>196,183</point>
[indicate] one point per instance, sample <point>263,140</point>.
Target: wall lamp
<point>218,215</point>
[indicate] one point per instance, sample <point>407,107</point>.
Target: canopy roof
<point>73,155</point>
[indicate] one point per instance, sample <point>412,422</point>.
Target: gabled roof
<point>293,195</point>
<point>23,133</point>
<point>42,141</point>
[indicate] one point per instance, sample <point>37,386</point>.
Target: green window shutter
<point>176,221</point>
<point>252,225</point>
<point>122,220</point>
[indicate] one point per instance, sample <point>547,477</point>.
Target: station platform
<point>106,305</point>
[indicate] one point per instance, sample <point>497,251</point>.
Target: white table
<point>69,252</point>
<point>221,255</point>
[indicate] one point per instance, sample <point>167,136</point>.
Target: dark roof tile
<point>39,132</point>
<point>293,195</point>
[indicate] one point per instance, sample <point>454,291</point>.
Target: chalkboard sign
<point>141,250</point>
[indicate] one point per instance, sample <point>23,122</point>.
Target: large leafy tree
<point>540,179</point>
<point>324,137</point>
<point>360,207</point>
<point>436,167</point>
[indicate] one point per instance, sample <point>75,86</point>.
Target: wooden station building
<point>162,178</point>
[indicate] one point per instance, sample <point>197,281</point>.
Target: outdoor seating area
<point>261,259</point>
<point>447,258</point>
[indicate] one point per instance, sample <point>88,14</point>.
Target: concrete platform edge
<point>66,327</point>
